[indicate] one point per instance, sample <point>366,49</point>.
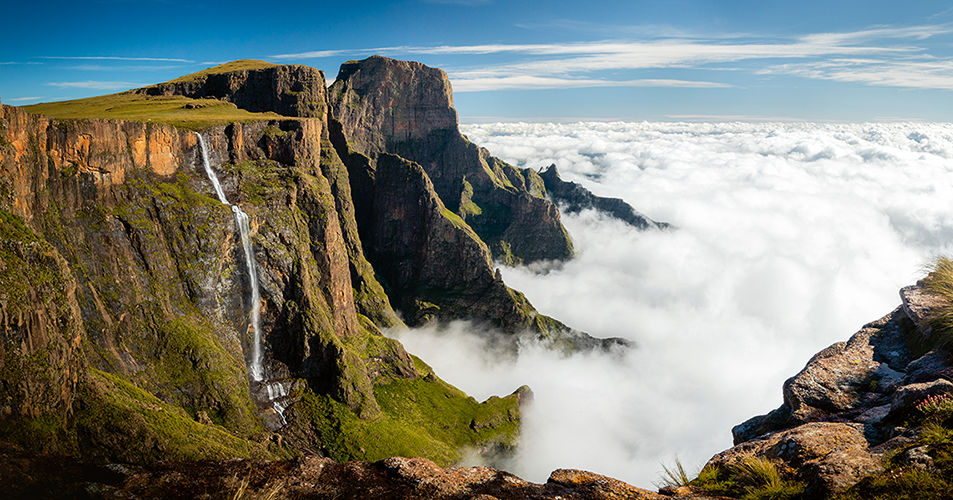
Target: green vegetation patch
<point>177,111</point>
<point>939,282</point>
<point>423,417</point>
<point>136,426</point>
<point>193,368</point>
<point>28,262</point>
<point>753,478</point>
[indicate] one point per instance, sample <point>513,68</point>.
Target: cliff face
<point>124,325</point>
<point>126,266</point>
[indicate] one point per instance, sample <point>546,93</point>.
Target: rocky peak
<point>384,102</point>
<point>406,109</point>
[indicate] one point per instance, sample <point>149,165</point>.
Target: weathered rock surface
<point>574,198</point>
<point>846,409</point>
<point>22,476</point>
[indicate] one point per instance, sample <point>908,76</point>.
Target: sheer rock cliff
<point>125,286</point>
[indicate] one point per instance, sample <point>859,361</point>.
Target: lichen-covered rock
<point>849,407</point>
<point>847,379</point>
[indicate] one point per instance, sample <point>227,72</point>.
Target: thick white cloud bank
<point>788,238</point>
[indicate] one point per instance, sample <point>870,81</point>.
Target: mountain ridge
<point>123,305</point>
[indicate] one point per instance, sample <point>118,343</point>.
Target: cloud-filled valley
<point>789,237</point>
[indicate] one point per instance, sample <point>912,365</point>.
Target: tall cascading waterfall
<point>275,390</point>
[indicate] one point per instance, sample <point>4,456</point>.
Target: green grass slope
<point>177,111</point>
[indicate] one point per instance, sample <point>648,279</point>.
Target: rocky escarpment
<point>289,90</point>
<point>394,127</point>
<point>123,316</point>
<point>574,198</point>
<point>851,405</point>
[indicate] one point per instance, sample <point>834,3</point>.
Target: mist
<point>788,238</point>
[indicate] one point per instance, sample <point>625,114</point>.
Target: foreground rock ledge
<point>24,475</point>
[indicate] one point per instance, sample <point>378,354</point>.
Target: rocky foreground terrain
<point>126,339</point>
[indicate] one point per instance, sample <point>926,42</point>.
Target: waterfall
<point>241,219</point>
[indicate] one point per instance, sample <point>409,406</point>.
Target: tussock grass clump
<point>939,282</point>
<point>674,476</point>
<point>753,478</point>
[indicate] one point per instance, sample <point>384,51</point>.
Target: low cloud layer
<point>789,238</point>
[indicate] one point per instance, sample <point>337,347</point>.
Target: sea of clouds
<point>788,238</point>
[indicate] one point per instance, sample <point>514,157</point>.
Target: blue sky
<point>673,60</point>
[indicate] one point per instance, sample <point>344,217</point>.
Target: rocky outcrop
<point>406,109</point>
<point>574,198</point>
<point>289,90</point>
<point>851,403</point>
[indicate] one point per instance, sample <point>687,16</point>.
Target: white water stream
<point>275,389</point>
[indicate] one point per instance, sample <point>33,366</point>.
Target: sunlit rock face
<point>848,408</point>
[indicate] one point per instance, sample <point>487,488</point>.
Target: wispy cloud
<point>928,74</point>
<point>471,3</point>
<point>116,58</point>
<point>91,84</point>
<point>21,99</point>
<point>100,67</point>
<point>879,55</point>
<point>535,82</point>
<point>317,54</point>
